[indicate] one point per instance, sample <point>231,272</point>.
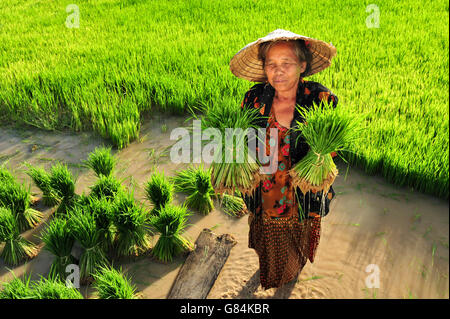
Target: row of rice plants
<point>110,283</point>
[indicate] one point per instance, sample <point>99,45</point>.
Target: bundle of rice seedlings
<point>232,205</point>
<point>326,130</point>
<point>53,288</point>
<point>18,288</point>
<point>184,180</point>
<point>200,199</point>
<point>159,191</point>
<point>62,182</point>
<point>106,186</point>
<point>5,175</point>
<point>42,180</point>
<point>85,231</point>
<point>101,161</point>
<point>230,170</point>
<point>17,198</point>
<point>129,219</point>
<point>170,223</point>
<point>59,241</point>
<point>113,284</point>
<point>16,247</point>
<point>101,209</point>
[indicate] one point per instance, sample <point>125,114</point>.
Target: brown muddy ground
<point>404,233</point>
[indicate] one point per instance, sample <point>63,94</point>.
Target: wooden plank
<point>202,266</point>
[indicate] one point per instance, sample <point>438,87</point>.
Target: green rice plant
<point>18,288</point>
<point>101,161</point>
<point>17,198</point>
<point>231,167</point>
<point>159,191</point>
<point>170,224</point>
<point>42,180</point>
<point>106,186</point>
<point>200,199</point>
<point>85,231</point>
<point>63,183</point>
<point>129,218</point>
<point>53,288</point>
<point>232,205</point>
<point>101,209</point>
<point>16,247</point>
<point>196,182</point>
<point>184,180</point>
<point>111,283</point>
<point>5,175</point>
<point>326,129</point>
<point>59,241</point>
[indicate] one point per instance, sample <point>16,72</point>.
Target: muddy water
<point>376,235</point>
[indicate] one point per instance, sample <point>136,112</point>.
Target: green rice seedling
<point>200,199</point>
<point>85,231</point>
<point>5,175</point>
<point>111,283</point>
<point>17,198</point>
<point>101,161</point>
<point>129,218</point>
<point>325,130</point>
<point>18,288</point>
<point>59,241</point>
<point>42,180</point>
<point>170,224</point>
<point>231,167</point>
<point>53,288</point>
<point>159,191</point>
<point>63,183</point>
<point>184,181</point>
<point>101,209</point>
<point>16,247</point>
<point>232,205</point>
<point>106,186</point>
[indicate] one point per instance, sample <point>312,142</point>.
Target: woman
<point>279,232</point>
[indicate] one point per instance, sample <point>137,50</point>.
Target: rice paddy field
<point>132,70</point>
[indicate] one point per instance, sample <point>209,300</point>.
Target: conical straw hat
<point>246,65</point>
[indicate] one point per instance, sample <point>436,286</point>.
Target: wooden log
<point>202,266</point>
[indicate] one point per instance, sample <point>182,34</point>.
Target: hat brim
<point>246,65</point>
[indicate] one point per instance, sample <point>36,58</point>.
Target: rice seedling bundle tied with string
<point>59,241</point>
<point>42,180</point>
<point>196,183</point>
<point>129,218</point>
<point>17,198</point>
<point>159,191</point>
<point>233,166</point>
<point>111,283</point>
<point>85,231</point>
<point>170,224</point>
<point>325,130</point>
<point>16,247</point>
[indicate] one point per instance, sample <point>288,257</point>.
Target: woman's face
<point>282,67</point>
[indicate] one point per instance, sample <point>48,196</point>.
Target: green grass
<point>134,56</point>
<point>111,283</point>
